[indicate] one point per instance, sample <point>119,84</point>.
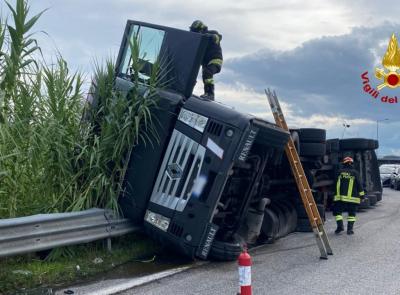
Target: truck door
<point>179,54</point>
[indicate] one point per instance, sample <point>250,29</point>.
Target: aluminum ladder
<point>301,181</point>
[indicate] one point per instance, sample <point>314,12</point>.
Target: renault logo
<point>174,171</point>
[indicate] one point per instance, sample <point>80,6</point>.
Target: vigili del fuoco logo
<point>390,75</point>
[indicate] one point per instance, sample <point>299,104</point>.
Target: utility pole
<point>345,125</point>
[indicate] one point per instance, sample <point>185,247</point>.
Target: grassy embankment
<point>51,160</point>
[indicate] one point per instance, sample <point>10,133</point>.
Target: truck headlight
<point>157,220</point>
<point>194,120</point>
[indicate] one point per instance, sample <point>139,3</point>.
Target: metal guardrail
<point>47,231</point>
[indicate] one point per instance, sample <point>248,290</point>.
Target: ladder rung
<point>302,184</point>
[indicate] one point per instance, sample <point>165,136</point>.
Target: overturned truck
<point>216,179</point>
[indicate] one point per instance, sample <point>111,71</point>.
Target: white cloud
<point>248,100</point>
<point>84,30</point>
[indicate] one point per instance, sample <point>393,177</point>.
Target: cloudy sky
<point>311,52</point>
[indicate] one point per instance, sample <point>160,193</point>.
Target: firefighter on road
<point>349,192</point>
<point>212,61</point>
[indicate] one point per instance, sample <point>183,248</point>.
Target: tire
<point>292,220</point>
<point>312,149</point>
<point>355,144</point>
<point>270,226</point>
<point>321,210</point>
<point>303,225</point>
<point>372,200</point>
<point>310,177</point>
<point>296,140</point>
<point>281,220</point>
<point>333,145</point>
<point>364,204</point>
<point>373,144</point>
<point>301,211</point>
<point>225,251</point>
<point>312,135</point>
<point>284,220</point>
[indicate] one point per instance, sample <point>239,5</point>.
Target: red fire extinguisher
<point>244,261</point>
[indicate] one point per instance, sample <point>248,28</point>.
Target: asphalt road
<point>365,263</point>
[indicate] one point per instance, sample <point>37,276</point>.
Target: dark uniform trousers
<point>339,207</point>
<point>208,72</point>
<point>212,62</point>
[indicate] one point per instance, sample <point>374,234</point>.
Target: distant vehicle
<point>395,178</point>
<point>386,171</point>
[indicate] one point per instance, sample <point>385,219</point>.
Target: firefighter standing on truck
<point>212,61</point>
<point>349,192</point>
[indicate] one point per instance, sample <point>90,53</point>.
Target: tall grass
<point>50,159</point>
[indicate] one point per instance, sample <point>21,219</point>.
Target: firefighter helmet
<point>198,26</point>
<point>348,160</point>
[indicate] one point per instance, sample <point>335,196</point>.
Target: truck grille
<point>179,170</point>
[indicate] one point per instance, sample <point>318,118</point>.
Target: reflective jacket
<point>213,53</point>
<point>348,186</point>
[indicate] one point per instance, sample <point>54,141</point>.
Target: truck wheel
<point>292,220</point>
<point>312,149</point>
<point>225,251</point>
<point>312,135</point>
<point>355,144</point>
<point>373,144</point>
<point>372,200</point>
<point>333,145</point>
<point>301,211</point>
<point>296,140</point>
<point>283,216</point>
<point>303,225</point>
<point>364,203</point>
<point>270,226</point>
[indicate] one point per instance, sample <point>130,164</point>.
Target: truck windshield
<point>150,42</point>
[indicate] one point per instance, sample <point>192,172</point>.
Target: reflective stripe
<point>209,81</point>
<point>338,187</point>
<point>351,218</point>
<point>362,193</point>
<point>215,61</point>
<point>347,199</point>
<point>350,189</point>
<point>216,39</point>
<point>338,217</point>
<point>350,199</point>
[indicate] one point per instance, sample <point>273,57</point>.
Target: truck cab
<point>194,188</point>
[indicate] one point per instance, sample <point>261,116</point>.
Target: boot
<point>340,227</point>
<point>350,227</point>
<point>208,91</point>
